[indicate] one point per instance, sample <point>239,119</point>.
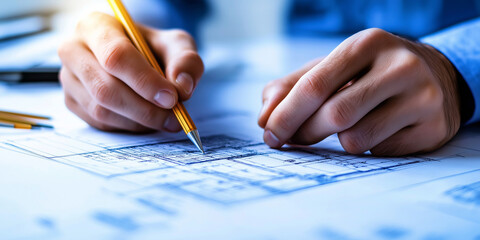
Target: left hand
<point>379,92</point>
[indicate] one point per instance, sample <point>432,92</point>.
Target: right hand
<point>379,92</point>
<point>110,85</point>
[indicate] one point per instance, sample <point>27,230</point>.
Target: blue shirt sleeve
<point>461,45</point>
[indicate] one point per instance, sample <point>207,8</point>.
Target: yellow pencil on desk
<point>137,39</point>
<point>23,121</point>
<point>5,113</point>
<point>9,124</point>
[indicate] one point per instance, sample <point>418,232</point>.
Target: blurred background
<point>223,20</point>
<point>214,22</point>
<point>31,30</point>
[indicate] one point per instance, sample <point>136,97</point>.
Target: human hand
<point>379,92</point>
<point>110,85</point>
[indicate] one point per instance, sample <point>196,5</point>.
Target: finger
<point>76,108</point>
<point>427,134</point>
<point>119,123</point>
<point>178,52</point>
<point>410,140</point>
<point>119,57</point>
<point>379,125</point>
<point>79,102</point>
<point>111,93</point>
<point>276,91</point>
<point>347,107</point>
<point>345,62</point>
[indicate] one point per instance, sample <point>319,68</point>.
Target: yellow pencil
<point>4,123</point>
<point>4,113</point>
<point>180,112</point>
<point>23,120</point>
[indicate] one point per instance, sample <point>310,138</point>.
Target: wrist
<point>448,78</point>
<point>464,94</point>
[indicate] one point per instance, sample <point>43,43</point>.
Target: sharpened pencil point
<point>195,138</point>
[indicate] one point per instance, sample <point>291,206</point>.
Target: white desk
<point>78,183</point>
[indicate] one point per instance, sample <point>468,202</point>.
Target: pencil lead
<point>195,138</point>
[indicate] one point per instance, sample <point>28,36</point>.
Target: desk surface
<point>78,183</point>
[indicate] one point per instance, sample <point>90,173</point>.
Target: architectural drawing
<point>155,185</point>
<point>232,170</point>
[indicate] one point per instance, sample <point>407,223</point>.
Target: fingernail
<point>165,99</point>
<point>171,124</point>
<point>186,82</point>
<point>271,140</point>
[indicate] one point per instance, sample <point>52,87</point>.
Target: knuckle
<point>148,118</point>
<point>315,86</point>
<point>372,88</point>
<point>113,54</point>
<point>103,91</point>
<point>70,103</point>
<point>272,86</point>
<point>98,112</point>
<point>266,94</point>
<point>371,38</point>
<point>191,55</point>
<point>142,81</point>
<point>374,34</point>
<point>338,115</point>
<point>85,67</point>
<point>409,62</point>
<point>180,34</point>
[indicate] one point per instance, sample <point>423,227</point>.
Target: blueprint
<point>232,170</point>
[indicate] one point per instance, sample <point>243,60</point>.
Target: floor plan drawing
<point>232,170</point>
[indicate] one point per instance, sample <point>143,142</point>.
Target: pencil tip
<point>195,138</point>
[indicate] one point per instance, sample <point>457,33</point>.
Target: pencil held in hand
<point>139,41</point>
